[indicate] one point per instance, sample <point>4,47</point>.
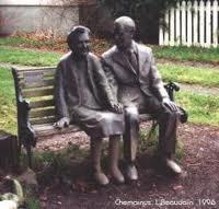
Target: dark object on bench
<point>35,106</point>
<point>9,152</point>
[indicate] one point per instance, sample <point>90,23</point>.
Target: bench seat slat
<point>145,117</point>
<point>45,128</point>
<point>49,129</point>
<point>21,71</point>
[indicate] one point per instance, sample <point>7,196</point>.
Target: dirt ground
<point>196,188</point>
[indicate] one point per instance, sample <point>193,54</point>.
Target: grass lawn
<point>207,55</point>
<point>170,72</point>
<point>189,75</point>
<point>28,57</point>
<point>34,42</point>
<point>182,53</point>
<point>202,109</point>
<point>7,102</point>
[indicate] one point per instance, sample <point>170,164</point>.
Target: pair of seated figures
<point>105,96</point>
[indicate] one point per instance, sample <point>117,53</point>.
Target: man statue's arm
<point>107,83</point>
<point>110,78</point>
<point>158,86</point>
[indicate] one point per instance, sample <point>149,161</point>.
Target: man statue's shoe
<point>101,178</point>
<point>173,166</point>
<point>131,172</point>
<point>117,176</point>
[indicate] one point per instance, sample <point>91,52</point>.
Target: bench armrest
<point>26,132</point>
<point>171,87</point>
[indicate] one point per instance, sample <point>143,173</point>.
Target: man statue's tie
<point>133,60</point>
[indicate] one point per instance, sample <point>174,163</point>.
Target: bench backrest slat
<point>40,113</point>
<point>45,120</point>
<point>42,83</point>
<point>42,103</point>
<point>38,92</point>
<point>37,87</point>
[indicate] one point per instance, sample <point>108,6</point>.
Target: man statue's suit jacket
<point>120,73</point>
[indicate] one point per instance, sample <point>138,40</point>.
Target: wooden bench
<point>34,89</point>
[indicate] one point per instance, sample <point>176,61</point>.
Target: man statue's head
<point>79,41</point>
<point>124,30</point>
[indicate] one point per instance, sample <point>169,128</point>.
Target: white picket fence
<point>191,24</point>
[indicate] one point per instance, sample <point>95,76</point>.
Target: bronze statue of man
<point>137,84</point>
<point>83,97</point>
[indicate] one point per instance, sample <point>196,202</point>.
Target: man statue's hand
<point>170,105</point>
<point>117,107</point>
<point>63,122</point>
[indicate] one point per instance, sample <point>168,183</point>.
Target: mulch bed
<point>197,187</point>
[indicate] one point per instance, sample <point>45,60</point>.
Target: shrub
<point>146,13</point>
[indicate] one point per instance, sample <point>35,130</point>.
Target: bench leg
<point>29,155</point>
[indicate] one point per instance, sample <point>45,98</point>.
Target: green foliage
<point>149,143</point>
<point>146,13</point>
<point>33,203</point>
<point>148,140</point>
<point>60,162</point>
